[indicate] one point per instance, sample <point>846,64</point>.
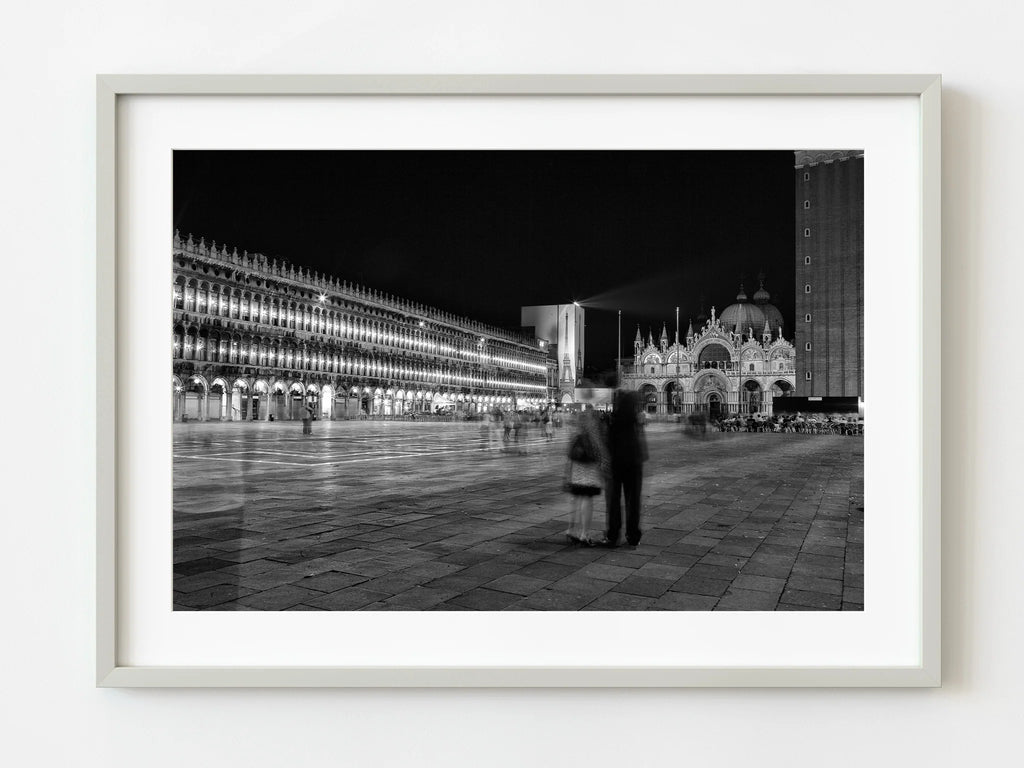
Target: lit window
<point>807,375</point>
<point>807,288</point>
<point>807,205</point>
<point>807,318</point>
<point>807,346</point>
<point>807,231</point>
<point>807,176</point>
<point>807,259</point>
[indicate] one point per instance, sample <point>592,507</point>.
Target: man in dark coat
<point>627,448</point>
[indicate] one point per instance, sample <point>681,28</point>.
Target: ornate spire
<point>761,296</point>
<point>689,330</point>
<point>639,339</point>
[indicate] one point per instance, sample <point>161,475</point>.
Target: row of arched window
<point>212,347</point>
<point>221,301</point>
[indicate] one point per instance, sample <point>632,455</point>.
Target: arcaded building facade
<point>255,338</point>
<point>735,363</point>
<point>829,333</point>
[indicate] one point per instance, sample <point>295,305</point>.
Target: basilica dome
<point>772,313</point>
<point>743,317</point>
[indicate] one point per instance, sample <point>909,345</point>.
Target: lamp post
<point>679,378</point>
<point>618,355</point>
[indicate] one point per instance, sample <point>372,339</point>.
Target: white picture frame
<point>113,477</point>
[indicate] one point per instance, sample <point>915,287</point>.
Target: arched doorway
<point>649,398</point>
<point>751,393</point>
<point>278,408</point>
<point>296,404</point>
<point>239,401</point>
<point>193,399</point>
<point>714,406</point>
<point>673,398</point>
<point>312,401</point>
<point>327,402</point>
<point>260,401</point>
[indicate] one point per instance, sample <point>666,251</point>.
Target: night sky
<point>481,233</point>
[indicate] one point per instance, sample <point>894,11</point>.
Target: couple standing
<point>607,454</point>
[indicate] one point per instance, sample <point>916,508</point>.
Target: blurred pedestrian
<point>627,449</point>
<point>517,428</point>
<point>549,426</point>
<point>585,474</point>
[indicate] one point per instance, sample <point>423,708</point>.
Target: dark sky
<point>481,233</point>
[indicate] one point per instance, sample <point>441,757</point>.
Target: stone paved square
<point>393,515</point>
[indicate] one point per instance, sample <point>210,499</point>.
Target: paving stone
<point>820,600</point>
<point>619,601</point>
<point>481,599</point>
<point>549,571</point>
<point>814,584</point>
<point>349,599</point>
<point>731,561</point>
<point>747,600</point>
<point>696,585</point>
<point>675,559</point>
<point>626,559</point>
<point>421,598</point>
<point>577,584</point>
<point>600,570</point>
<point>659,570</point>
<point>555,600</point>
<point>646,586</point>
<point>200,565</point>
<point>779,567</point>
<point>203,580</point>
<point>760,583</point>
<point>681,601</point>
<point>801,568</point>
<point>331,581</point>
<point>279,598</point>
<point>722,572</point>
<point>517,584</point>
<point>205,598</point>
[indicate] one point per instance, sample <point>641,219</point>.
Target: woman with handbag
<point>585,471</point>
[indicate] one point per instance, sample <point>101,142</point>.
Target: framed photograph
<point>518,381</point>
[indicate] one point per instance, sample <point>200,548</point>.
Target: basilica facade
<point>255,338</point>
<point>736,363</point>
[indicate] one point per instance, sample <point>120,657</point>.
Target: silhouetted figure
<point>627,449</point>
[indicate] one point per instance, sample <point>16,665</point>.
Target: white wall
<point>53,714</point>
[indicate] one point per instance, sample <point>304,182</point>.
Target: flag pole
<point>618,357</point>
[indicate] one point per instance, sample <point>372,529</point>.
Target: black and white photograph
<point>501,380</point>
